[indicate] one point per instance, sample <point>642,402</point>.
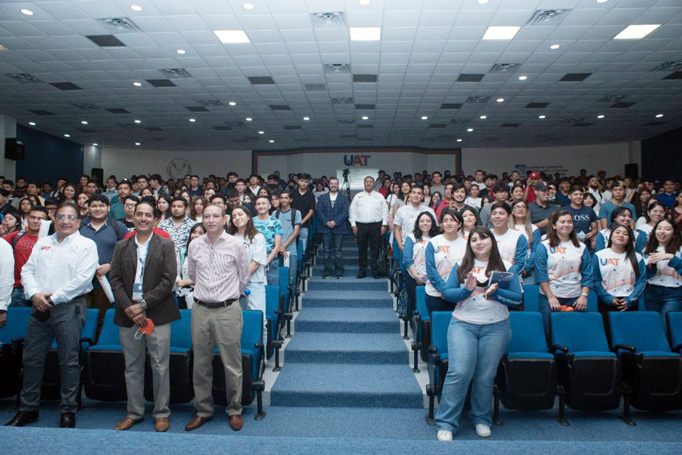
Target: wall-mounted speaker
<point>632,170</point>
<point>14,149</point>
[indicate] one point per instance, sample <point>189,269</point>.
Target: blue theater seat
<point>531,295</point>
<point>421,329</point>
<point>438,357</point>
<point>104,377</point>
<point>11,338</point>
<point>274,309</point>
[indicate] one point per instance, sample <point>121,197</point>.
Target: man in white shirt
<point>56,277</point>
<point>405,217</point>
<point>369,221</point>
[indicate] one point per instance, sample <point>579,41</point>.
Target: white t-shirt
<point>476,309</point>
<point>446,254</point>
<point>563,268</point>
<point>665,275</point>
<point>407,215</point>
<point>617,275</point>
<point>419,256</point>
<point>506,244</point>
<point>256,250</point>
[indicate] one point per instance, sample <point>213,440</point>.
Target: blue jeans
<point>663,299</point>
<point>293,266</point>
<point>546,310</point>
<point>272,273</point>
<point>333,253</point>
<point>19,298</point>
<point>303,238</point>
<point>474,351</point>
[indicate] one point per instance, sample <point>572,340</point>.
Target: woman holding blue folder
<point>478,333</point>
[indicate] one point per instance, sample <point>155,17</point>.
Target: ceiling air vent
<point>315,87</point>
<point>119,25</point>
<point>451,105</point>
<point>337,68</point>
<point>24,78</point>
<point>669,66</point>
<point>86,106</point>
<point>210,103</point>
<point>548,16</point>
<point>504,68</point>
<point>41,112</point>
<point>346,122</point>
<point>330,19</point>
<point>364,107</point>
<point>478,99</point>
<point>176,73</point>
<point>611,98</point>
<point>235,124</point>
<point>470,77</point>
<point>160,83</point>
<point>342,100</point>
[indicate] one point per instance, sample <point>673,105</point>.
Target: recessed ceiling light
<point>602,1</point>
<point>32,123</point>
<point>523,78</point>
<point>459,140</point>
<point>181,51</point>
<point>248,119</point>
<point>192,120</point>
<point>137,84</point>
<point>555,46</point>
<point>84,122</point>
<point>137,8</point>
<point>138,121</point>
<point>500,100</point>
<point>601,116</point>
<point>67,135</point>
<point>248,6</point>
<point>636,31</point>
<point>542,116</point>
<point>364,117</point>
<point>95,144</point>
<point>232,103</point>
<point>659,115</point>
<point>424,117</point>
<point>482,2</point>
<point>483,117</point>
<point>306,118</point>
<point>138,144</point>
<point>470,130</point>
<point>232,36</point>
<point>365,33</point>
<point>271,141</point>
<point>261,132</point>
<point>27,12</point>
<point>501,33</point>
<point>365,2</point>
<point>2,48</point>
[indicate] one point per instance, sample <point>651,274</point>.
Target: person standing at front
<point>369,221</point>
<point>219,266</point>
<point>56,278</point>
<point>332,209</point>
<point>143,272</point>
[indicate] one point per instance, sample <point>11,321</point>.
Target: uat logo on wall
<point>356,160</point>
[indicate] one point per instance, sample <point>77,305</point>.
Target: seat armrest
<point>558,347</point>
<point>625,348</point>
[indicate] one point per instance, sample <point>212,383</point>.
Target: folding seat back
<point>589,372</point>
<point>421,325</point>
<point>675,330</point>
<point>531,296</point>
<point>180,362</point>
<point>273,312</point>
<point>284,287</point>
<point>527,375</point>
<point>651,370</point>
<point>104,377</point>
<point>438,356</point>
<point>11,338</point>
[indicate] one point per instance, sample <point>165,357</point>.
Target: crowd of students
<point>570,235</point>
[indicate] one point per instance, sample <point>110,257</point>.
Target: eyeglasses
<point>68,217</point>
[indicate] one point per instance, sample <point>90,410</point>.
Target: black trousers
<point>369,233</point>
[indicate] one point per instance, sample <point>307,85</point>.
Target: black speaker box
<point>14,149</point>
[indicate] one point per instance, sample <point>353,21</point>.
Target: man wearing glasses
<point>56,278</point>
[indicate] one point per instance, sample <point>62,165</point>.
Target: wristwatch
<point>584,294</point>
<point>143,304</point>
<point>49,300</point>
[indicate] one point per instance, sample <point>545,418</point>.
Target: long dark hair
<point>495,262</point>
<point>469,209</point>
<point>434,226</point>
<point>191,231</point>
<point>553,237</point>
<point>672,247</point>
<point>167,212</point>
<point>629,248</point>
<point>250,231</point>
<point>618,212</point>
<point>651,206</point>
<point>641,208</point>
<point>456,215</point>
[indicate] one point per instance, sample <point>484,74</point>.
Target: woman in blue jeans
<point>664,268</point>
<point>478,333</point>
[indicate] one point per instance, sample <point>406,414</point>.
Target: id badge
<point>137,291</point>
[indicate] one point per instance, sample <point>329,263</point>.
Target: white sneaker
<point>483,431</point>
<point>444,435</point>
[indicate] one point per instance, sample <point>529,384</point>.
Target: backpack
<point>293,218</point>
<point>403,305</point>
<point>382,265</point>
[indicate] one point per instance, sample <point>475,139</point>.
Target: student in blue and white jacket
<point>442,253</point>
<point>414,255</point>
<point>563,268</point>
<point>664,268</point>
<point>512,244</point>
<point>619,216</point>
<point>478,333</point>
<point>520,220</point>
<point>655,212</point>
<point>619,273</point>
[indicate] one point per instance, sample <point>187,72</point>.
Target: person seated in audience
<point>442,253</point>
<point>585,221</point>
<point>619,272</point>
<point>663,254</point>
<point>25,206</point>
<point>621,215</point>
<point>616,201</point>
<point>33,191</point>
<point>82,203</point>
<point>667,196</point>
<point>11,222</point>
<point>500,193</point>
<point>163,205</point>
<point>655,212</point>
<point>404,219</point>
<point>414,255</point>
<point>129,203</point>
<point>478,333</point>
<point>540,208</point>
<point>520,221</point>
<point>196,208</point>
<point>469,221</point>
<point>563,268</point>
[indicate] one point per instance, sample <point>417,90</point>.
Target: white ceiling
<point>425,46</point>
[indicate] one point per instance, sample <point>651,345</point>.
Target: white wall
<point>566,160</point>
<point>127,162</point>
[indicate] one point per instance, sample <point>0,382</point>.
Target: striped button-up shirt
<point>220,270</point>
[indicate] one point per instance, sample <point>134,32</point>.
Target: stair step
<point>348,320</point>
<point>348,297</point>
<point>356,348</point>
<point>317,283</point>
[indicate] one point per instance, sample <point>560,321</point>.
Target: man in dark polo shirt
<point>540,208</point>
<point>304,201</point>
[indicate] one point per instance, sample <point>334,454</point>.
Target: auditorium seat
<point>527,376</point>
<point>253,363</point>
<point>104,377</point>
<point>287,299</point>
<point>438,357</point>
<point>11,337</point>
<point>274,306</point>
<point>652,372</point>
<point>675,330</point>
<point>180,364</point>
<point>421,329</point>
<point>588,372</point>
<point>531,295</point>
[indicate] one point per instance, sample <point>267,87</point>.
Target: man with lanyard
<point>332,209</point>
<point>105,232</point>
<point>56,277</point>
<point>405,217</point>
<point>368,215</point>
<point>304,201</point>
<point>143,292</point>
<point>219,266</point>
<point>179,224</point>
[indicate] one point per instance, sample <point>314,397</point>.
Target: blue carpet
<point>315,347</point>
<point>346,283</point>
<point>348,298</point>
<point>348,320</point>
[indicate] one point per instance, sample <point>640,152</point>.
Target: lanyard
<point>142,261</point>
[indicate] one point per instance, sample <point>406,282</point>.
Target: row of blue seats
<point>588,373</point>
